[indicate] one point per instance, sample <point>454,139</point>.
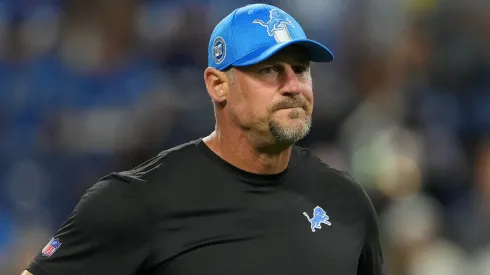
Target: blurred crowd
<point>88,87</point>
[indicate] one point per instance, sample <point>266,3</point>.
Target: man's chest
<point>274,234</point>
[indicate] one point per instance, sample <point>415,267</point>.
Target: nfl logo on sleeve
<point>51,247</point>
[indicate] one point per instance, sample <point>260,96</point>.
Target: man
<point>243,200</point>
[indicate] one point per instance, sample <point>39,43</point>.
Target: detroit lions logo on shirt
<point>277,25</point>
<point>319,217</point>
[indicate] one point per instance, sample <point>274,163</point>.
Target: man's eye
<point>299,69</point>
<point>268,70</point>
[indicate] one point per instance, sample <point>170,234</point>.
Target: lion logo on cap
<point>277,23</point>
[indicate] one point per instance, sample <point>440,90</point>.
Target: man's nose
<point>291,84</point>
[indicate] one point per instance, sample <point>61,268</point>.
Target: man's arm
<point>371,261</point>
<point>105,234</point>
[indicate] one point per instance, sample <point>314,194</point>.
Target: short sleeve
<point>371,261</point>
<point>105,234</point>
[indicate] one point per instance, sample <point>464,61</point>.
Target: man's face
<point>275,97</point>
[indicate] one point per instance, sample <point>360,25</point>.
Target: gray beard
<point>290,135</point>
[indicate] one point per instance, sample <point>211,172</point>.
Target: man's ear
<point>217,84</point>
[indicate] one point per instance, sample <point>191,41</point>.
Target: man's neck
<point>241,152</point>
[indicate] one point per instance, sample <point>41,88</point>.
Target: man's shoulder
<point>174,159</point>
<point>307,158</point>
<point>339,179</point>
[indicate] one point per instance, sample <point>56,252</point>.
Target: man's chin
<point>291,131</point>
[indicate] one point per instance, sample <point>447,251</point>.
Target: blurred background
<point>88,87</point>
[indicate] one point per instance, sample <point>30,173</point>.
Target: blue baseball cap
<point>255,32</point>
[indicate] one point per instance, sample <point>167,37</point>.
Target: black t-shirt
<point>187,211</point>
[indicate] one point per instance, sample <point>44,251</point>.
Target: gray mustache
<point>290,104</point>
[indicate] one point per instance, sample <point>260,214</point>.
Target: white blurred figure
<point>440,257</point>
<point>412,226</point>
<point>378,144</point>
<point>480,262</point>
<point>383,154</point>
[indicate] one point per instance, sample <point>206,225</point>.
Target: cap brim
<point>317,51</point>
